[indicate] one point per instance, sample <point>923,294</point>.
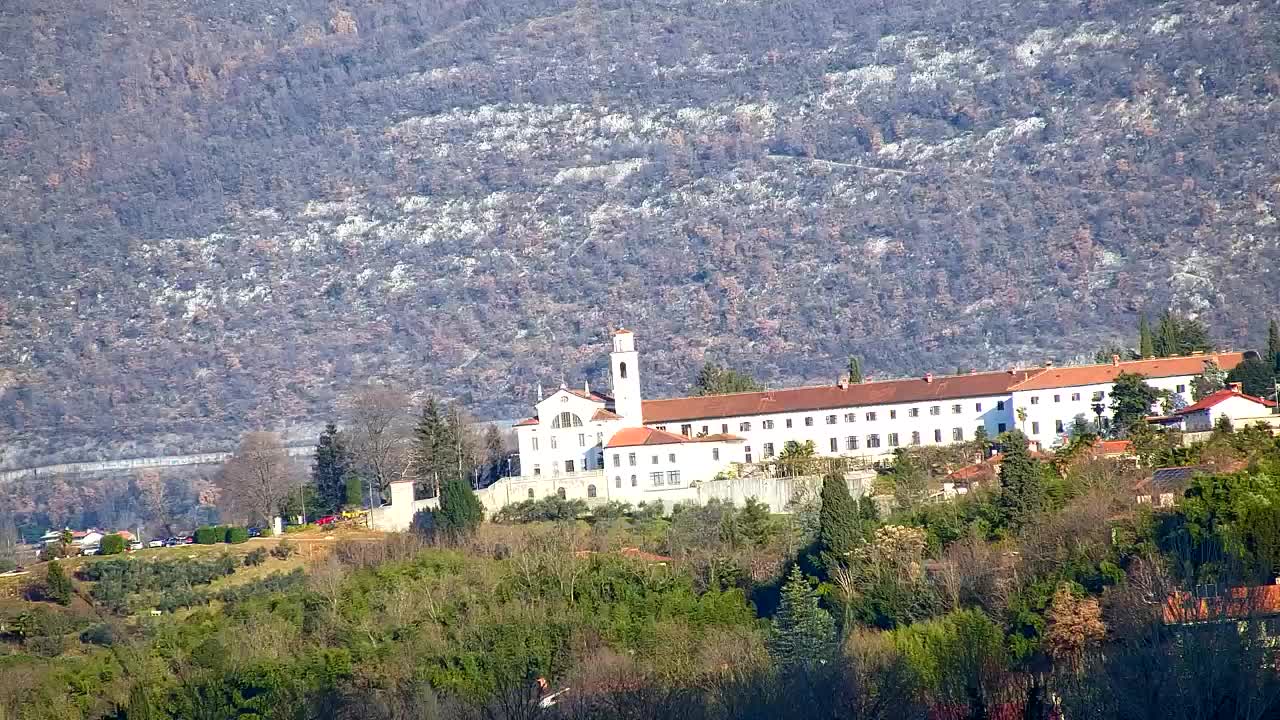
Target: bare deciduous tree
<point>257,477</point>
<point>378,419</point>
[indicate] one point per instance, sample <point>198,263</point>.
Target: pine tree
<point>460,510</point>
<point>1022,491</point>
<point>1273,345</point>
<point>493,453</point>
<point>1146,345</point>
<point>804,635</point>
<point>855,369</point>
<point>839,528</point>
<point>329,470</point>
<point>426,438</point>
<point>754,523</point>
<point>57,584</point>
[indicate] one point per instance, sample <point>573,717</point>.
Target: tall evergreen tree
<point>716,380</point>
<point>1146,344</point>
<point>855,369</point>
<point>1022,491</point>
<point>1255,376</point>
<point>803,634</point>
<point>839,526</point>
<point>1273,345</point>
<point>1178,335</point>
<point>460,510</point>
<point>434,452</point>
<point>57,584</point>
<point>329,470</point>
<point>494,453</point>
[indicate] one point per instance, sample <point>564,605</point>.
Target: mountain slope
<point>219,216</point>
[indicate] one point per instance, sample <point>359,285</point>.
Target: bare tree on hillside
<point>378,422</point>
<point>258,476</point>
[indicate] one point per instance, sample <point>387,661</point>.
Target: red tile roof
<point>826,397</point>
<point>1060,377</point>
<point>595,396</point>
<point>527,421</point>
<point>603,414</point>
<point>1224,394</point>
<point>631,436</point>
<point>1235,604</point>
<point>1113,447</point>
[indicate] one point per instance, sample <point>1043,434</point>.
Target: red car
<point>327,520</point>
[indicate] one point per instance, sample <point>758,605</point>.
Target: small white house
<point>1230,403</point>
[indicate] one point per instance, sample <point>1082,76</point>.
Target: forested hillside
<point>218,215</point>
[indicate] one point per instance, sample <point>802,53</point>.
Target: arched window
<point>530,493</point>
<point>591,491</point>
<point>622,370</point>
<point>617,481</point>
<point>566,419</point>
<point>560,493</point>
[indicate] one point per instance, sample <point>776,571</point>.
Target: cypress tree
<point>855,369</point>
<point>1146,345</point>
<point>493,453</point>
<point>838,519</point>
<point>1273,345</point>
<point>57,584</point>
<point>1165,342</point>
<point>330,469</point>
<point>460,510</point>
<point>1022,491</point>
<point>804,635</point>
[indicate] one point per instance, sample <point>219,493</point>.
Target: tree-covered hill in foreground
<point>219,215</point>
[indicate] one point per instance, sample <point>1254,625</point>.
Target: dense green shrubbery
<point>112,544</point>
<point>210,535</point>
<point>545,509</point>
<point>236,535</point>
<point>117,580</point>
<point>255,557</point>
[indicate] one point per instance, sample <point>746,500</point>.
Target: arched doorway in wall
<point>591,491</point>
<point>560,493</point>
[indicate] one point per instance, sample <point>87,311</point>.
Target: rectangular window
<point>766,424</point>
<point>1181,388</point>
<point>534,443</point>
<point>1099,396</point>
<point>915,437</point>
<point>747,453</point>
<point>1035,428</point>
<point>957,434</point>
<point>937,435</point>
<point>1057,398</point>
<point>673,477</point>
<point>977,407</point>
<point>893,439</point>
<point>768,450</point>
<point>1001,428</point>
<point>634,482</point>
<point>1075,397</point>
<point>705,430</point>
<point>631,459</point>
<point>1057,426</point>
<point>871,416</point>
<point>744,427</point>
<point>617,460</point>
<point>999,404</point>
<point>935,409</point>
<point>850,417</point>
<point>686,430</point>
<point>582,439</point>
<point>831,419</point>
<point>660,427</point>
<point>913,412</point>
<point>568,466</point>
<point>789,423</point>
<point>537,470</point>
<point>1035,399</point>
<point>671,458</point>
<point>851,443</point>
<point>893,414</point>
<point>873,441</point>
<point>835,444</point>
<point>715,453</point>
<point>724,428</point>
<point>553,442</point>
<point>808,421</point>
<point>655,479</point>
<point>956,409</point>
<point>617,482</point>
<point>654,460</point>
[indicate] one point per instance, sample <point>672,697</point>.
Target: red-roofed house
<point>1229,403</point>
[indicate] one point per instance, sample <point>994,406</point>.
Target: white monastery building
<point>598,447</point>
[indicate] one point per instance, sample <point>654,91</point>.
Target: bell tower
<point>624,363</point>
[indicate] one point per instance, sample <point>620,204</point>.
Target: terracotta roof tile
<point>627,437</point>
<point>1235,604</point>
<point>826,397</point>
<point>527,421</point>
<point>1225,394</point>
<point>603,414</point>
<point>1060,377</point>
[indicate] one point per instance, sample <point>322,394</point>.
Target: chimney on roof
<point>1115,360</point>
<point>539,392</point>
<point>843,381</point>
<point>586,386</point>
<point>928,377</point>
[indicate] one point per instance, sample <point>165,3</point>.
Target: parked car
<point>91,550</point>
<point>158,542</point>
<point>255,532</point>
<point>189,540</point>
<point>135,545</point>
<point>173,542</point>
<point>327,520</point>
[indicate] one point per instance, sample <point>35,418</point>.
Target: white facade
<point>1050,413</point>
